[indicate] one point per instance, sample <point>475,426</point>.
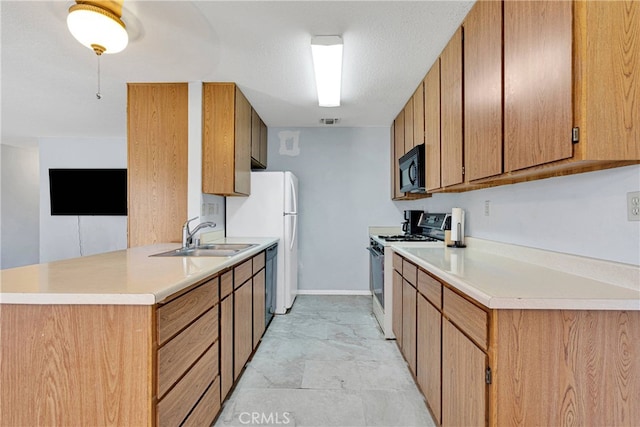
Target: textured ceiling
<point>49,80</point>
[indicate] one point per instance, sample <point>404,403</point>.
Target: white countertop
<point>523,278</point>
<point>126,277</point>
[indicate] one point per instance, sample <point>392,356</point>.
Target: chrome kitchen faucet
<point>187,234</point>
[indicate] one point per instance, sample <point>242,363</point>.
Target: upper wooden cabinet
<point>418,115</point>
<point>408,126</point>
<point>432,126</point>
<point>483,90</point>
<point>157,141</point>
<point>226,140</point>
<point>451,111</point>
<point>258,141</point>
<point>537,82</point>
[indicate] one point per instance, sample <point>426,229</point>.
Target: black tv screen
<point>88,191</point>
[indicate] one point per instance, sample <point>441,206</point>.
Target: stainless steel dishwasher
<point>271,272</point>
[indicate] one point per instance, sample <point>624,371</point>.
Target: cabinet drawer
<point>175,357</point>
<point>226,284</point>
<point>397,263</point>
<point>410,272</point>
<point>242,273</point>
<point>431,288</point>
<point>471,319</point>
<point>258,262</point>
<point>178,402</point>
<point>177,314</point>
<point>207,409</point>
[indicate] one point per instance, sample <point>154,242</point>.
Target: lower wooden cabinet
<point>242,326</point>
<point>477,366</point>
<point>226,346</point>
<point>396,314</point>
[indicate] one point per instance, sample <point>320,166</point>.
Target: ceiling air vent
<point>329,121</point>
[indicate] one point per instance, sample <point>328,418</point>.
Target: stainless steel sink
<point>210,250</point>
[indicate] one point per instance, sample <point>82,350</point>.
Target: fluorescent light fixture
<point>327,64</point>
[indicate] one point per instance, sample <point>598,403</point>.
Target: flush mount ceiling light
<point>327,64</point>
<point>97,25</point>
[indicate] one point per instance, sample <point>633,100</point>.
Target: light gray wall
<point>72,236</point>
<point>344,187</point>
<point>582,214</point>
<point>19,218</point>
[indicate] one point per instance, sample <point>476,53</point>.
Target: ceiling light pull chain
<point>98,94</point>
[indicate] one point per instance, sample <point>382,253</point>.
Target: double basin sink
<point>210,250</point>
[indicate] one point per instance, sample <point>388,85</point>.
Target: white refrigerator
<point>271,211</point>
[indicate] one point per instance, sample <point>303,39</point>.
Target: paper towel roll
<point>457,224</point>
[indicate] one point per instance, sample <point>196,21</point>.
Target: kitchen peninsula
<point>125,338</point>
<point>501,334</point>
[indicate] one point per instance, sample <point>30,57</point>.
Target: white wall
<point>582,214</point>
<point>19,218</point>
<point>344,188</point>
<point>72,236</point>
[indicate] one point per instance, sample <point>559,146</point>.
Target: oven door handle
<point>374,252</point>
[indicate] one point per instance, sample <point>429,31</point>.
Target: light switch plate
<point>633,206</point>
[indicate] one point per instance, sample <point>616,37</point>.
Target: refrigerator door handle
<point>294,197</point>
<point>293,232</point>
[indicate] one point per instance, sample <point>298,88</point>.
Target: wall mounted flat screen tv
<point>88,191</point>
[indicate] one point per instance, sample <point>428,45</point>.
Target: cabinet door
<point>226,346</point>
<point>242,326</point>
<point>258,306</point>
<point>242,145</point>
<point>398,140</point>
<point>428,354</point>
<point>538,82</point>
<point>409,324</point>
<point>464,390</point>
<point>483,90</point>
<point>157,133</point>
<point>432,126</point>
<point>255,138</point>
<point>408,126</point>
<point>263,144</point>
<point>396,313</point>
<point>451,110</point>
<point>418,115</point>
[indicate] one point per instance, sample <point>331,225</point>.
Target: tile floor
<point>326,363</point>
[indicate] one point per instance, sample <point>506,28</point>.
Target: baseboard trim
<point>332,292</point>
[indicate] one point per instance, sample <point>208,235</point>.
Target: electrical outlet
<point>487,207</point>
<point>633,206</point>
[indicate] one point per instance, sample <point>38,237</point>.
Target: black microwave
<point>412,171</point>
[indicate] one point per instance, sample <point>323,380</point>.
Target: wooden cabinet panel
<point>397,263</point>
<point>226,346</point>
<point>176,405</point>
<point>76,365</point>
<point>175,357</point>
<point>157,140</point>
<point>226,284</point>
<point>428,354</point>
<point>537,82</point>
<point>398,151</point>
<point>561,365</point>
<point>408,126</point>
<point>418,115</point>
<point>483,90</point>
<point>409,294</point>
<point>396,314</point>
<point>432,126</point>
<point>410,272</point>
<point>264,147</point>
<point>451,111</point>
<point>258,262</point>
<point>258,141</point>
<point>226,140</point>
<point>207,409</point>
<point>431,288</point>
<point>470,318</point>
<point>242,326</point>
<point>242,273</point>
<point>178,313</point>
<point>258,306</point>
<point>464,390</point>
<point>607,87</point>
